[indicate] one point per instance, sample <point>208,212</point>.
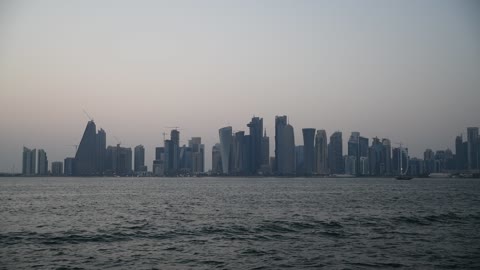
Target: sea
<point>239,223</point>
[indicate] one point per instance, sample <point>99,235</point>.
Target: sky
<point>404,70</point>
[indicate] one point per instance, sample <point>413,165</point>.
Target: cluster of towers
<point>240,154</point>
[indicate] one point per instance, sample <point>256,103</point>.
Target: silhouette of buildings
<point>101,142</point>
<point>69,164</point>
<point>198,155</point>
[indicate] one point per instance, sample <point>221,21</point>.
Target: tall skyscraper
<point>376,158</point>
<point>429,159</point>
<point>461,154</point>
<point>239,153</point>
<point>265,149</point>
<point>387,157</point>
<point>353,151</point>
<point>284,146</point>
<point>42,162</point>
<point>226,148</point>
<point>472,139</point>
<point>139,158</point>
<point>85,158</point>
<point>335,153</point>
<point>216,159</point>
<point>198,155</point>
<point>321,153</point>
<point>29,161</point>
<point>308,150</point>
<point>255,152</point>
<point>101,151</point>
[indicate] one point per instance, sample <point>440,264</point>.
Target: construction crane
<point>164,134</point>
<point>89,117</point>
<point>75,145</point>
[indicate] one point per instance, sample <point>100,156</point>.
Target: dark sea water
<point>236,223</point>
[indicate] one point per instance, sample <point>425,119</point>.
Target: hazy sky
<point>406,70</point>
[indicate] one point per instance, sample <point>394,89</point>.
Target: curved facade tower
<point>308,149</point>
<point>321,166</point>
<point>225,147</point>
<point>85,158</point>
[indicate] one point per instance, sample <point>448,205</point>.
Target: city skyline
<point>406,71</point>
<point>240,154</point>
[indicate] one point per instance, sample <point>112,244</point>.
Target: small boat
<point>403,177</point>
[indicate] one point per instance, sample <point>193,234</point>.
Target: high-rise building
<point>335,153</point>
<point>429,159</point>
<point>69,167</point>
<point>57,168</point>
<point>308,150</point>
<point>386,157</point>
<point>265,149</point>
<point>321,153</point>
<point>299,159</point>
<point>472,139</point>
<point>216,159</point>
<point>42,162</point>
<point>118,160</point>
<point>350,165</point>
<point>226,147</point>
<point>397,167</point>
<point>171,157</point>
<point>85,158</point>
<point>284,146</point>
<point>255,151</point>
<point>461,155</point>
<point>376,159</point>
<point>198,155</point>
<point>353,150</point>
<point>101,148</point>
<point>139,158</point>
<point>239,153</point>
<point>29,161</point>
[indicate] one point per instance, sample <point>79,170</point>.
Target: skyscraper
<point>139,158</point>
<point>321,156</point>
<point>353,152</point>
<point>29,161</point>
<point>225,135</point>
<point>376,159</point>
<point>118,160</point>
<point>472,139</point>
<point>335,153</point>
<point>255,152</point>
<point>85,158</point>
<point>309,150</point>
<point>239,153</point>
<point>42,162</point>
<point>101,151</point>
<point>387,157</point>
<point>461,155</point>
<point>284,146</point>
<point>216,159</point>
<point>198,155</point>
<point>265,149</point>
<point>299,159</point>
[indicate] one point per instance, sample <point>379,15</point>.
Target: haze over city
<point>408,71</point>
